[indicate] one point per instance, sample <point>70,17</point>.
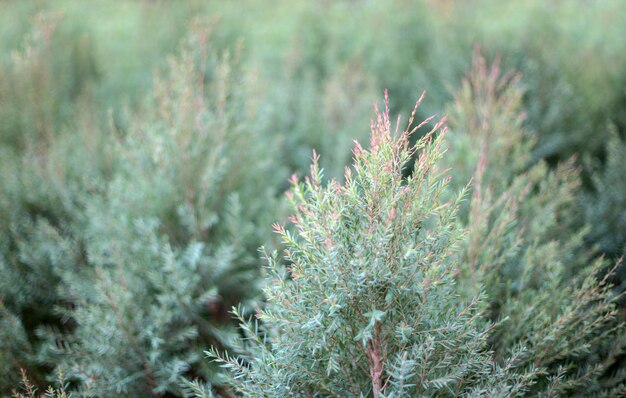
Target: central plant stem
<point>375,358</point>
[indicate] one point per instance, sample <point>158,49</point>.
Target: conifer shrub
<point>340,98</point>
<point>42,81</point>
<point>524,244</point>
<point>375,298</point>
<point>573,85</point>
<point>172,241</point>
<point>604,204</point>
<point>606,201</point>
<point>45,170</point>
<point>354,314</point>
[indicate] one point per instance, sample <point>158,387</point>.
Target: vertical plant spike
<point>368,304</point>
<point>607,201</point>
<point>541,280</point>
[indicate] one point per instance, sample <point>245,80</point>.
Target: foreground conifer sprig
<point>368,304</point>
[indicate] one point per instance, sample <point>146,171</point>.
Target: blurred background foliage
<point>79,103</point>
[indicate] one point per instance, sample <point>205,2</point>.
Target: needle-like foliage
<point>172,241</point>
<point>544,288</point>
<point>368,304</point>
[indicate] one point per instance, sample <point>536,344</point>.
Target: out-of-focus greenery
<point>569,52</point>
<point>77,87</point>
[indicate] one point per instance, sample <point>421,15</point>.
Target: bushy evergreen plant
<point>172,243</point>
<point>524,243</point>
<point>43,80</point>
<point>376,300</point>
<point>45,170</point>
<point>368,303</point>
<point>340,97</point>
<point>605,203</point>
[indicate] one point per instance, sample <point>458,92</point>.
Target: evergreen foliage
<point>523,244</point>
<point>172,242</point>
<point>126,265</point>
<point>605,204</point>
<point>382,296</point>
<point>135,189</point>
<point>44,172</point>
<point>368,304</point>
<point>340,98</point>
<point>42,81</point>
<point>29,390</point>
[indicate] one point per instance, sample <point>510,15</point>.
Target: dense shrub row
<point>136,188</point>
